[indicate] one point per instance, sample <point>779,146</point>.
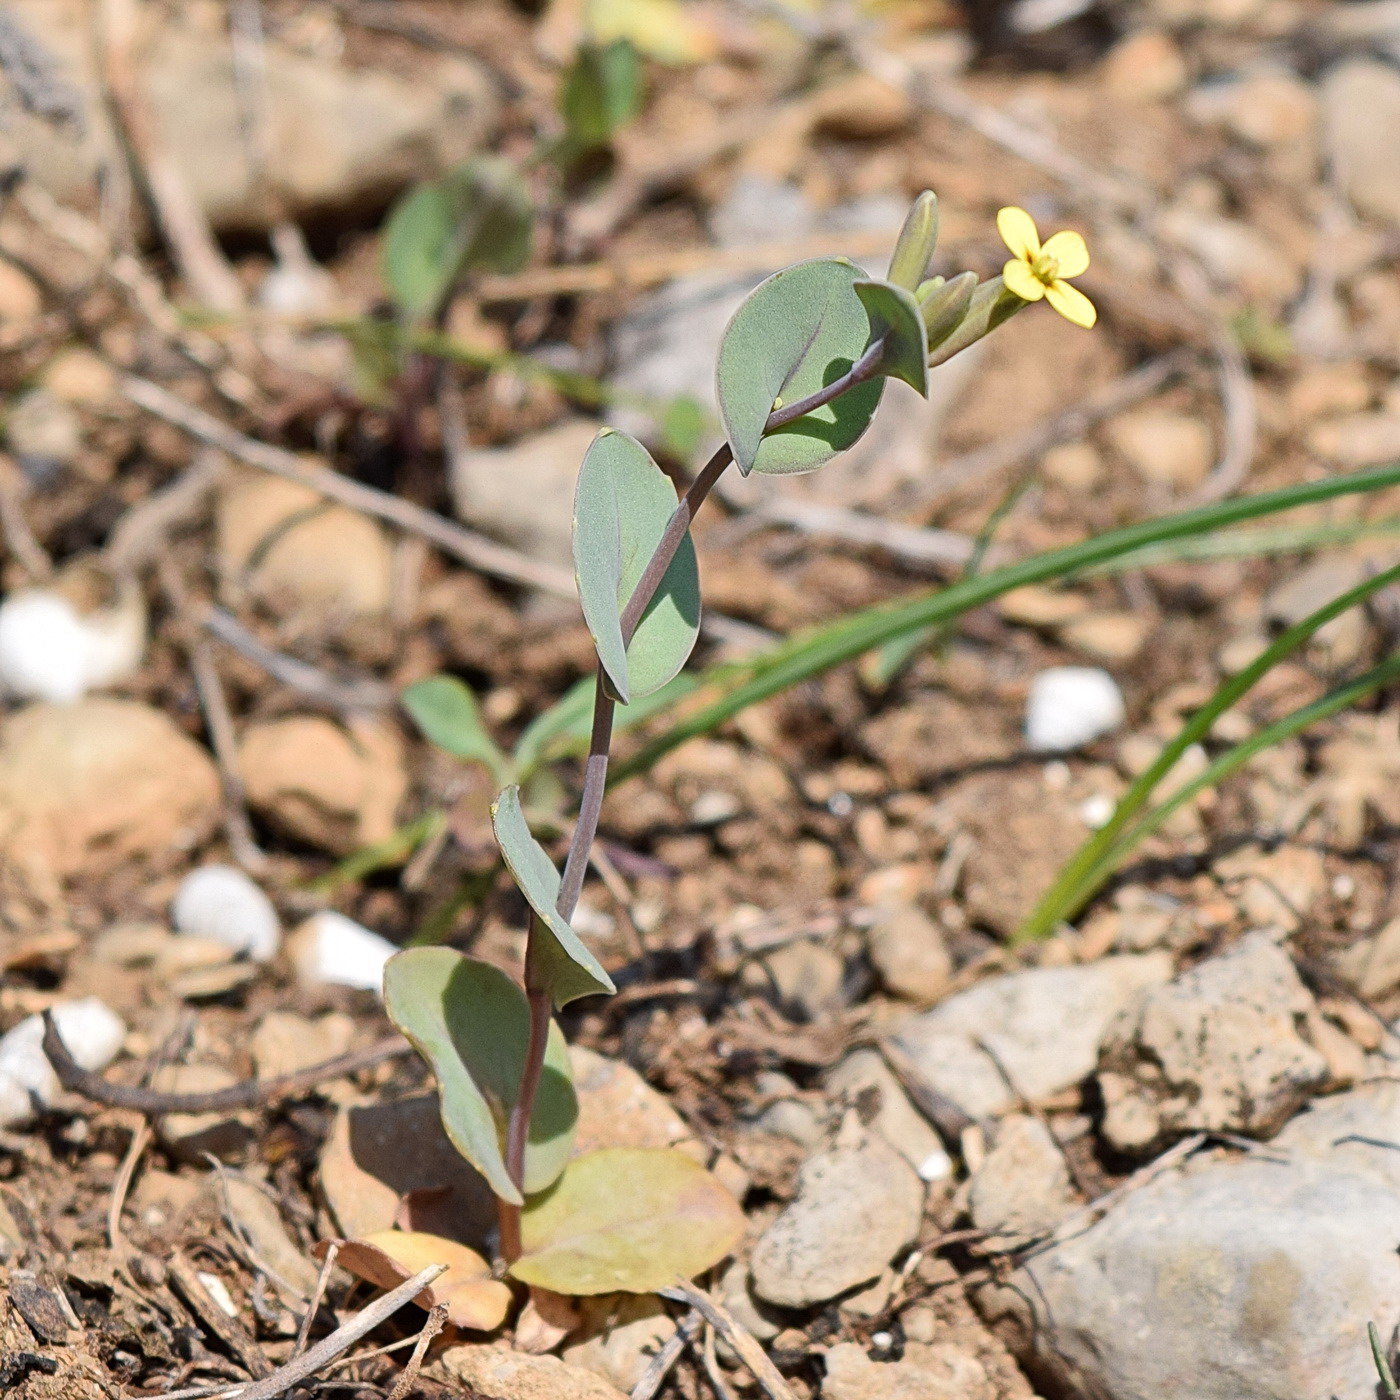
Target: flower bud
<point>944,304</point>
<point>917,240</point>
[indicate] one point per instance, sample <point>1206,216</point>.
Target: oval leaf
<point>472,1025</point>
<point>627,1219</point>
<point>895,314</point>
<point>389,1257</point>
<point>561,962</point>
<point>796,333</point>
<point>621,509</point>
<point>445,709</point>
<point>913,251</point>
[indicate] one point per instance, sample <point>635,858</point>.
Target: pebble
<point>44,434</point>
<point>618,1108</point>
<point>1022,1188</point>
<point>189,1136</point>
<point>49,650</point>
<point>1108,636</point>
<point>20,297</point>
<point>80,376</point>
<point>940,1371</point>
<point>1372,965</point>
<point>909,953</point>
<point>1070,706</point>
<point>285,1043</point>
<point>870,1085</point>
<point>92,1033</point>
<point>1164,447</point>
<point>497,1373</point>
<point>222,903</point>
<point>1145,67</point>
<point>1236,1278</point>
<point>1359,98</point>
<point>1043,1025</point>
<point>1267,106</point>
<point>620,1335</point>
<point>1358,439</point>
<point>1217,1049</point>
<point>857,1206</point>
<point>808,978</point>
<point>89,786</point>
<point>736,1293</point>
<point>330,948</point>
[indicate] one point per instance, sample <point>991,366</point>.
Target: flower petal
<point>1017,230</point>
<point>1020,279</point>
<point>1069,251</point>
<point>1071,303</point>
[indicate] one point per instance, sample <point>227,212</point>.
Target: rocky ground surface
<point>1154,1156</point>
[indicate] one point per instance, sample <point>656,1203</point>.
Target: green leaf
<point>601,93</point>
<point>472,1025</point>
<point>917,240</point>
<point>476,218</point>
<point>562,963</point>
<point>621,508</point>
<point>627,1219</point>
<point>895,315</point>
<point>445,709</point>
<point>797,332</point>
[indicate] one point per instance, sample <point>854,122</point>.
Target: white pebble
<point>1071,705</point>
<point>328,947</point>
<point>50,651</point>
<point>222,903</point>
<point>936,1166</point>
<point>92,1032</point>
<point>217,1289</point>
<point>1097,810</point>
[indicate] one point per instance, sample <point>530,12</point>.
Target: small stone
<point>1108,636</point>
<point>621,1335</point>
<point>1359,98</point>
<point>1022,1188</point>
<point>52,650</point>
<point>1070,706</point>
<point>870,1302</point>
<point>1238,258</point>
<point>870,1085</point>
<point>132,944</point>
<point>1268,106</point>
<point>1372,965</point>
<point>299,553</point>
<point>1218,1049</point>
<point>1038,606</point>
<point>856,1208</point>
<point>920,1324</point>
<point>863,108</point>
<point>259,1218</point>
<point>1276,889</point>
<point>90,786</point>
<point>524,493</point>
<point>910,954</point>
<point>285,1043</point>
<point>497,1373</point>
<point>1043,1025</point>
<point>736,1293</point>
<point>1145,67</point>
<point>222,903</point>
<point>332,949</point>
<point>1317,583</point>
<point>1164,447</point>
<point>1076,466</point>
<point>20,299</point>
<point>80,376</point>
<point>938,1372</point>
<point>1357,440</point>
<point>44,433</point>
<point>618,1108</point>
<point>188,1136</point>
<point>336,788</point>
<point>91,1032</point>
<point>808,978</point>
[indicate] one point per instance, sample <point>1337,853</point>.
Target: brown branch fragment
<point>750,1352</point>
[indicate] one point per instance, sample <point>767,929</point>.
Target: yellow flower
<point>1039,269</point>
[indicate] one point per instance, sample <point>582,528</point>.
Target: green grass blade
<point>1235,758</point>
<point>1387,1376</point>
<point>1071,890</point>
<point>818,650</point>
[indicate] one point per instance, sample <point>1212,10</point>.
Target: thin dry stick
<point>251,1093</point>
<point>181,219</point>
<point>913,542</point>
<point>140,1140</point>
<point>711,1363</point>
<point>659,1367</point>
<point>317,1294</point>
<point>476,550</point>
<point>749,1351</point>
<point>437,1320</point>
<point>342,1339</point>
<point>143,532</point>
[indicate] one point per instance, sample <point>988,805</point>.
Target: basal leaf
<point>472,1025</point>
<point>388,1258</point>
<point>445,709</point>
<point>621,508</point>
<point>895,314</point>
<point>562,964</point>
<point>796,333</point>
<point>601,93</point>
<point>627,1219</point>
<point>478,217</point>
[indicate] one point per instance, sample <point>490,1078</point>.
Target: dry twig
<point>659,1367</point>
<point>750,1352</point>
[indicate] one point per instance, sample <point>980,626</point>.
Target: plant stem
<point>595,773</point>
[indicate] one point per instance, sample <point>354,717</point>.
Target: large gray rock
<point>1247,1278</point>
<point>1042,1026</point>
<point>857,1206</point>
<point>1361,98</point>
<point>338,135</point>
<point>1219,1048</point>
